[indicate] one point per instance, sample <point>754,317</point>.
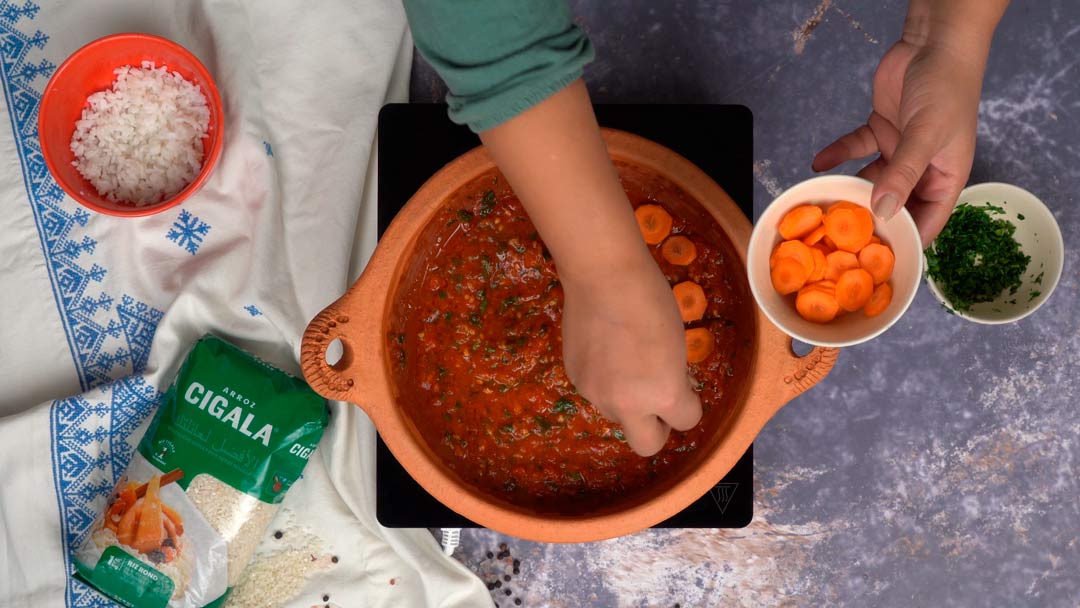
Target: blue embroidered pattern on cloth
<point>188,231</point>
<point>108,339</point>
<point>253,310</point>
<point>92,445</point>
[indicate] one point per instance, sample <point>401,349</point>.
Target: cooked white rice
<point>141,141</point>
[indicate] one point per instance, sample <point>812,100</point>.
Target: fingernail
<point>886,206</point>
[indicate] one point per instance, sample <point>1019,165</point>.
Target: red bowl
<point>91,69</point>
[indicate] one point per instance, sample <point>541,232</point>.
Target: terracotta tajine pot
<point>360,320</point>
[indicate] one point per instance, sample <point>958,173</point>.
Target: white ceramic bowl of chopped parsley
<point>982,270</point>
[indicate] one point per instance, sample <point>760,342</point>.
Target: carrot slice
<point>850,229</point>
<point>654,223</point>
<point>774,257</point>
<point>788,276</point>
<point>842,205</point>
<point>839,261</point>
<point>150,532</point>
<point>878,260</point>
<point>800,221</point>
<point>828,286</point>
<point>879,300</point>
<point>699,344</point>
<point>854,289</point>
<point>128,495</point>
<point>796,250</point>
<point>174,517</point>
<point>125,530</point>
<point>679,250</point>
<point>875,240</point>
<point>829,242</point>
<point>788,249</point>
<point>820,266</point>
<point>815,236</point>
<point>816,305</point>
<point>124,501</point>
<point>170,528</point>
<point>691,299</point>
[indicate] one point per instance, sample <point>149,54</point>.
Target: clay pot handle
<point>802,373</point>
<point>331,381</point>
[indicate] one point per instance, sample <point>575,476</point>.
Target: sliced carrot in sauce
<point>679,250</point>
<point>691,299</point>
<point>654,222</point>
<point>699,344</point>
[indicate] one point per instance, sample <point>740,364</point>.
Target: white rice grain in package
<point>230,437</point>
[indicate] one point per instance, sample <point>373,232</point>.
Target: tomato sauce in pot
<point>476,351</point>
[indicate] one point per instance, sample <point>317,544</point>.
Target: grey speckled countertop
<point>938,464</point>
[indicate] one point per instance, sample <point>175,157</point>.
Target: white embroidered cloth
<point>96,312</point>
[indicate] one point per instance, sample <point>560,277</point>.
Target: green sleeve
<point>498,57</point>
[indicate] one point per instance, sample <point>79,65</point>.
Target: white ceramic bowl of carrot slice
<point>826,270</point>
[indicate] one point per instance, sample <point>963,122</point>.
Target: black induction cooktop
<point>416,140</point>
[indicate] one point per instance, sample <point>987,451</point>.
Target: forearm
<point>500,57</point>
<point>960,25</point>
<point>558,165</point>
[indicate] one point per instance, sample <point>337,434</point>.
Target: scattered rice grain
<point>273,579</point>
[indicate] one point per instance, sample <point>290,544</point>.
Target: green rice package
<point>229,438</point>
